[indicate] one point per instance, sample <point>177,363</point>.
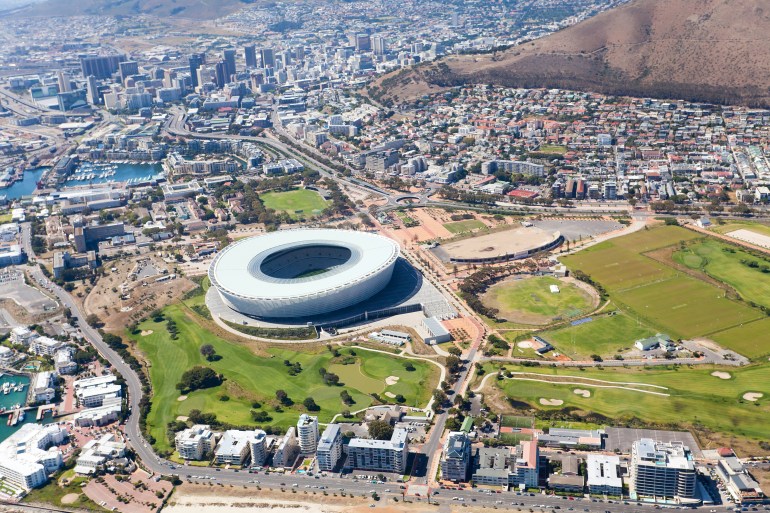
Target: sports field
<point>530,300</point>
<point>256,377</point>
<point>750,339</point>
<point>464,226</point>
<point>664,298</point>
<point>299,203</point>
<point>731,226</point>
<point>605,335</point>
<point>723,262</point>
<point>666,396</point>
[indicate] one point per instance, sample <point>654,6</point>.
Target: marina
<point>13,400</point>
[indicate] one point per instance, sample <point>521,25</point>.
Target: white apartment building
<point>96,453</point>
<point>258,447</point>
<point>380,455</point>
<point>329,448</point>
<point>28,455</point>
<point>195,443</point>
<point>307,433</point>
<point>233,447</point>
<point>45,346</point>
<point>604,475</point>
<point>287,449</point>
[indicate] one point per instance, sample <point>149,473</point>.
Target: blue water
<point>26,186</point>
<point>123,173</point>
<point>10,400</point>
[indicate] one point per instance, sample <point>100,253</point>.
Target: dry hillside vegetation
<point>703,50</point>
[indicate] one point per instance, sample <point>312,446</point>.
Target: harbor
<point>14,412</point>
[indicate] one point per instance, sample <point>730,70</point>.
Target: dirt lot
<point>133,280</point>
<point>461,329</point>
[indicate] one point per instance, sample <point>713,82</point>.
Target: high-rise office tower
<point>100,66</point>
<point>378,45</point>
<point>221,74</point>
<point>92,91</point>
<point>229,58</point>
<point>268,57</point>
<point>250,55</point>
<point>363,43</point>
<point>195,62</point>
<point>128,68</point>
<point>299,53</point>
<point>64,82</point>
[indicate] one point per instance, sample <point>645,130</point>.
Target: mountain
<point>190,9</point>
<point>701,50</point>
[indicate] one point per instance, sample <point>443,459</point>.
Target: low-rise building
<point>437,333</point>
<point>604,475</point>
<point>43,389</point>
<point>97,454</point>
<point>743,488</point>
<point>506,467</point>
<point>233,448</point>
<point>102,415</point>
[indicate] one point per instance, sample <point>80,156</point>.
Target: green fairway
<point>464,226</point>
<point>723,262</point>
<point>685,307</point>
<point>691,395</point>
<point>299,203</point>
<point>605,335</point>
<point>531,301</point>
<point>750,339</point>
<point>253,377</point>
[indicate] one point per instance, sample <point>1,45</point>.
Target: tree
<point>400,399</point>
<point>380,430</point>
<point>208,352</point>
<point>310,404</point>
<point>409,366</point>
<point>346,398</point>
<point>94,320</point>
<point>198,378</point>
<point>453,364</point>
<point>454,350</point>
<point>283,398</point>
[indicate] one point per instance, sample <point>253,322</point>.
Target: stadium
<point>302,273</point>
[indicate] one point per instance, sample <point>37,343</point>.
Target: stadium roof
<point>239,267</point>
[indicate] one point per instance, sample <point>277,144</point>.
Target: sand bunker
<point>551,402</point>
<point>181,398</point>
<point>144,333</point>
<point>752,396</point>
<point>583,392</point>
<point>525,344</point>
<point>182,418</point>
<point>390,394</point>
<point>70,498</point>
<point>391,380</point>
<point>721,375</point>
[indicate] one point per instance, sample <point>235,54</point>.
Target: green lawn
<point>53,494</point>
<point>299,203</point>
<point>685,307</point>
<point>530,300</point>
<point>464,226</point>
<point>5,218</point>
<point>605,335</point>
<point>553,148</point>
<point>723,262</point>
<point>251,377</point>
<point>695,396</point>
<point>750,339</point>
<point>731,226</point>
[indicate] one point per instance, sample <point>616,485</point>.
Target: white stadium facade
<point>302,273</point>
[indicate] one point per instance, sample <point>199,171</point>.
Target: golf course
<point>253,375</point>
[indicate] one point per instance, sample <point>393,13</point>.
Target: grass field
<point>695,396</point>
<point>552,148</point>
<point>685,307</point>
<point>723,262</point>
<point>731,226</point>
<point>750,339</point>
<point>256,377</point>
<point>606,335</point>
<point>464,226</point>
<point>531,301</point>
<point>299,203</point>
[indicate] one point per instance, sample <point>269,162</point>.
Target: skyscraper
<point>92,91</point>
<point>378,45</point>
<point>64,82</point>
<point>250,55</point>
<point>221,74</point>
<point>363,43</point>
<point>229,58</point>
<point>100,66</point>
<point>268,57</point>
<point>195,62</point>
<point>128,68</point>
